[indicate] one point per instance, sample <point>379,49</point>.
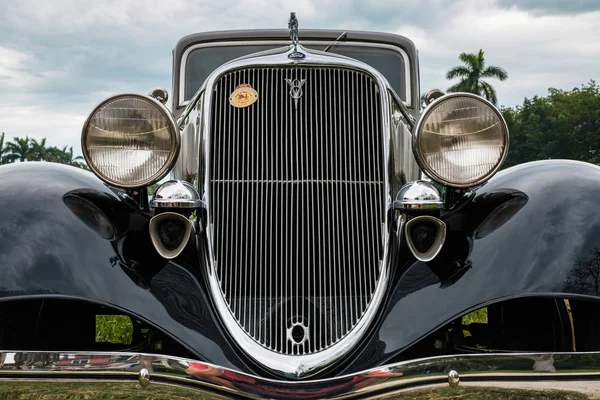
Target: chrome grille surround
<point>305,359</point>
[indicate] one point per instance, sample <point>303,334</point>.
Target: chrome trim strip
<point>397,377</point>
<point>299,365</point>
<point>283,43</point>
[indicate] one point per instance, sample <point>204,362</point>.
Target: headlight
<point>130,141</point>
<point>461,140</point>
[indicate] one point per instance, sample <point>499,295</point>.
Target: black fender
<point>65,234</point>
<point>524,233</point>
<point>527,232</point>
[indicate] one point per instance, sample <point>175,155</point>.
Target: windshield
<point>204,60</point>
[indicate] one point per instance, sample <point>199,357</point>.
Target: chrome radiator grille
<point>296,195</point>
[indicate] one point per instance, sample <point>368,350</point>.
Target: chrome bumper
<point>191,376</point>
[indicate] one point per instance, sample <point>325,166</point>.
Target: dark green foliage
<point>27,149</point>
<point>479,316</point>
<point>563,125</point>
<point>20,149</point>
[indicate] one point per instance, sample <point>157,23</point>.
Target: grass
<point>480,316</point>
<point>131,391</point>
<point>488,393</point>
<point>114,329</point>
<point>118,329</point>
<point>96,391</point>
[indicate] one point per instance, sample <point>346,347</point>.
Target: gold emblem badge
<point>243,96</point>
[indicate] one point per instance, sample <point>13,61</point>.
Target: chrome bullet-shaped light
<point>461,140</point>
<point>418,196</point>
<point>432,95</point>
<point>159,94</point>
<point>176,194</point>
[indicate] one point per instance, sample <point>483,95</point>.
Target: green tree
<point>27,149</point>
<point>39,151</point>
<point>4,152</point>
<point>564,124</point>
<point>471,76</point>
<point>65,156</point>
<point>19,148</point>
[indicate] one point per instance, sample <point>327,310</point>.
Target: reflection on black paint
<point>525,230</point>
<point>453,261</point>
<point>178,291</point>
<point>104,214</point>
<point>584,278</point>
<point>124,226</point>
<point>486,214</point>
<point>46,249</point>
<point>543,247</point>
<point>490,211</point>
<point>91,216</point>
<point>501,214</point>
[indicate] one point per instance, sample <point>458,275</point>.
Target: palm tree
<point>65,156</point>
<point>4,152</point>
<point>26,149</point>
<point>19,148</point>
<point>70,160</point>
<point>39,151</point>
<point>471,76</point>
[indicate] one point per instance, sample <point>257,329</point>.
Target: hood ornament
<point>293,27</point>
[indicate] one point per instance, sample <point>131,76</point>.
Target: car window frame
<point>279,43</point>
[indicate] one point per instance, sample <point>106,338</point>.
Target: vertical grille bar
<point>320,216</point>
<point>296,202</point>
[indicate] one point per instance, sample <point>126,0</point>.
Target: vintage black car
<point>315,232</point>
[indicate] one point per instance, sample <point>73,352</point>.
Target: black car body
<point>299,251</point>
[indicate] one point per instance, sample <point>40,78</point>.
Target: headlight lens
<point>130,141</point>
<point>461,140</point>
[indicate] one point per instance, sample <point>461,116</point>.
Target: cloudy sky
<point>59,58</point>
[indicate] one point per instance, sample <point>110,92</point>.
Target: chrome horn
<point>417,205</point>
<point>425,236</point>
<point>170,233</point>
<point>175,203</point>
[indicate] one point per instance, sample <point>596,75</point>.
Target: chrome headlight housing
<point>461,140</point>
<point>130,141</point>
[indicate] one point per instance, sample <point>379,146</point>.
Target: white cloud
<point>17,70</point>
<point>151,20</point>
<point>58,59</point>
<point>61,128</point>
<point>538,51</point>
